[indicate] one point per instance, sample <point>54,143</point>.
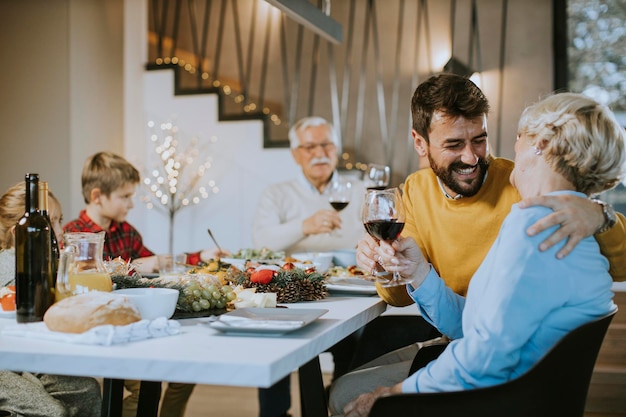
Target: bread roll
<point>81,312</point>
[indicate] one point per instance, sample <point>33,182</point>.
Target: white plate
<point>241,262</point>
<point>350,285</point>
<point>7,314</point>
<point>266,321</point>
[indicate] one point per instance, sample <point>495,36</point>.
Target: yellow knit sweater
<point>455,235</point>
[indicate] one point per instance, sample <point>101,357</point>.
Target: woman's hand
<point>362,405</point>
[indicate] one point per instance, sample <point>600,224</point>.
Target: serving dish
<point>265,321</point>
<point>152,302</point>
<point>351,285</point>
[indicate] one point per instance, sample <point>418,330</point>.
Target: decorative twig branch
<point>175,177</point>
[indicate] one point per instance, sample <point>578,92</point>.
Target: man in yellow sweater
<point>454,208</point>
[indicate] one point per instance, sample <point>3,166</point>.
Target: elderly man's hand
<point>361,406</point>
<point>323,221</point>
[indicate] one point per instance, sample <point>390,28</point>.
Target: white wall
<point>34,93</point>
<point>72,83</point>
<point>241,168</point>
<point>61,86</point>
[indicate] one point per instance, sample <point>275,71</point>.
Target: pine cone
<point>290,286</point>
<point>289,294</point>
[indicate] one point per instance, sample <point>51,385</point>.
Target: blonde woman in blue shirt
<point>520,301</point>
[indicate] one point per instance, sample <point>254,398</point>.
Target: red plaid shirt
<point>121,239</point>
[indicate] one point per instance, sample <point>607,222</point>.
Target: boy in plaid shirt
<point>109,183</point>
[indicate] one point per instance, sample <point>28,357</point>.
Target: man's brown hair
<point>451,94</point>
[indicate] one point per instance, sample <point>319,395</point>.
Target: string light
<point>176,176</point>
<point>250,106</point>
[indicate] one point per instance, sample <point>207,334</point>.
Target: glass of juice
<point>81,267</point>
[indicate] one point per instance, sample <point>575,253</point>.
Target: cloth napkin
<point>105,335</point>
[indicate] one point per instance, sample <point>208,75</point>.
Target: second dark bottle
<point>33,258</point>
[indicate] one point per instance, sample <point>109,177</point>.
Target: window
<point>590,58</point>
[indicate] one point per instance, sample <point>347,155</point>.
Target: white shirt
<point>284,206</point>
<point>7,267</point>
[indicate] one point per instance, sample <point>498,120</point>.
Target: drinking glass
<point>383,218</point>
<point>377,177</point>
<point>339,197</point>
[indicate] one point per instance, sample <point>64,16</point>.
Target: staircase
<point>230,108</point>
<point>607,392</point>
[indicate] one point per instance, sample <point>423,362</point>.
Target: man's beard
<point>447,176</point>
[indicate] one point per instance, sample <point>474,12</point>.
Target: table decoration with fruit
<point>215,287</point>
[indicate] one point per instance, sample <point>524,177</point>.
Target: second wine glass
<point>339,198</point>
<point>377,177</point>
<point>383,218</point>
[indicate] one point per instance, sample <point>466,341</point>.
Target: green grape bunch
<point>199,296</point>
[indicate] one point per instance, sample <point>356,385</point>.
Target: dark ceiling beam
<point>309,16</point>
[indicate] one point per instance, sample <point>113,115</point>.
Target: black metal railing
<point>264,65</point>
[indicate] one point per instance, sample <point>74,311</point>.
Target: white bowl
<point>344,258</point>
<point>152,302</point>
<point>322,260</point>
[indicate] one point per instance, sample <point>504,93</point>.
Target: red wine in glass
<point>387,230</point>
<point>340,193</point>
<point>339,205</point>
<point>383,218</point>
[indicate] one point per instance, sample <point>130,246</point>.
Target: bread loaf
<point>81,312</point>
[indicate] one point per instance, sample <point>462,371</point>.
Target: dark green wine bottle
<point>33,258</point>
<point>43,205</point>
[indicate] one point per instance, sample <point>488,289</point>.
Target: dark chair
<point>556,386</point>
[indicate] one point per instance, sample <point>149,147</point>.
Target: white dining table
<point>202,355</point>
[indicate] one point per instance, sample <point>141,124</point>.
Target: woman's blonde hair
<point>12,208</point>
<point>580,139</point>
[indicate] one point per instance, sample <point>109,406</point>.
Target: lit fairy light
<point>237,97</point>
<point>175,176</point>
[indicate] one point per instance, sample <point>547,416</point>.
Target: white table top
<point>199,354</point>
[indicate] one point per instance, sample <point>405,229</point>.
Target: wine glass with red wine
<point>339,197</point>
<point>383,218</point>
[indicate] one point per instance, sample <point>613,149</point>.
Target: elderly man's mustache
<point>321,160</point>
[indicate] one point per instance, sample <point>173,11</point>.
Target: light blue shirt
<point>519,303</point>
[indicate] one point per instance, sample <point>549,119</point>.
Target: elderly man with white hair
<point>296,216</point>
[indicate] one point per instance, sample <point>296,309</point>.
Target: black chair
<point>556,386</point>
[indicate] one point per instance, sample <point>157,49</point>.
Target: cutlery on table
<point>215,241</point>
